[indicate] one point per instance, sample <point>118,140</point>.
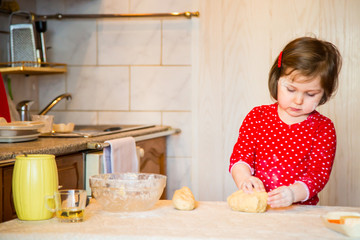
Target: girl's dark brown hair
<point>311,57</point>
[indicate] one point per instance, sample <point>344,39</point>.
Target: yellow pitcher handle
<point>47,198</point>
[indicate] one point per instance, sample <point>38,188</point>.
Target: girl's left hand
<point>281,197</point>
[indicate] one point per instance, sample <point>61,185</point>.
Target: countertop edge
<point>63,146</point>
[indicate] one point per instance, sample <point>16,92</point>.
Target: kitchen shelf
<point>28,68</point>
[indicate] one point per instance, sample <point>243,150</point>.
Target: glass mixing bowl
<point>127,192</point>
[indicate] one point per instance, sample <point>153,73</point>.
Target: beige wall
<point>238,41</point>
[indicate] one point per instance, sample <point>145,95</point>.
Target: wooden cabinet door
<point>1,195</point>
<point>8,203</point>
<point>71,171</point>
<point>154,159</point>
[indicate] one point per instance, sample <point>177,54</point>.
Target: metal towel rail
<point>60,16</point>
<point>97,145</point>
<point>101,145</point>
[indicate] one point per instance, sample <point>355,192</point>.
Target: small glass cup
<point>69,205</point>
<point>47,120</point>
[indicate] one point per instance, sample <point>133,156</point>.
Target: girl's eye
<point>290,90</point>
<point>311,94</point>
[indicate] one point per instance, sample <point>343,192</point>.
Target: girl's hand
<point>252,184</point>
<point>244,180</point>
<point>281,197</point>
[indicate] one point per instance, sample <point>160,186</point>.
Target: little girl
<point>287,148</point>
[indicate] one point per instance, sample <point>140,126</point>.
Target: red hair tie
<point>279,59</point>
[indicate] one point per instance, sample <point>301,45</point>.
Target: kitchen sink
<point>97,130</point>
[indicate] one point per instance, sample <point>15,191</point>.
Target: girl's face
<point>298,96</point>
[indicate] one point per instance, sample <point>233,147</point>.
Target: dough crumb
<point>183,199</point>
<point>254,202</point>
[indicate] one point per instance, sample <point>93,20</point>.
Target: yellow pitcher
<point>35,176</point>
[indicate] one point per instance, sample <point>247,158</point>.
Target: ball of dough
<point>183,199</point>
<point>254,202</point>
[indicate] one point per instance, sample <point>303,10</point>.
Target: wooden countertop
<point>209,220</point>
<point>61,146</point>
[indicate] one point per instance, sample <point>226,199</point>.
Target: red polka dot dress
<point>280,154</point>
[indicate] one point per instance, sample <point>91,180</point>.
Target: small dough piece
<point>254,202</point>
<point>183,199</point>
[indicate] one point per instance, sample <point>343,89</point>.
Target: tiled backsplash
<point>121,71</point>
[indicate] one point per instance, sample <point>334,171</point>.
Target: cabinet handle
<point>140,152</point>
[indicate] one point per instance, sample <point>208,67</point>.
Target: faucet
<point>54,102</point>
<point>23,108</point>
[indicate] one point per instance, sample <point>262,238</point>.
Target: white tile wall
<point>4,39</point>
<point>25,88</point>
<point>176,42</point>
<point>96,6</point>
<point>161,88</point>
<point>98,88</point>
<point>51,86</point>
<point>157,6</point>
<point>180,144</point>
<point>81,118</point>
<point>125,71</point>
<point>129,42</point>
<point>48,7</point>
<point>130,117</point>
<point>179,174</point>
<point>72,42</point>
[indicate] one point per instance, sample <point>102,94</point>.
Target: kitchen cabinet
<point>8,209</point>
<point>71,172</point>
<point>154,159</point>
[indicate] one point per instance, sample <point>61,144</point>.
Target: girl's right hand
<point>251,184</point>
<point>244,180</point>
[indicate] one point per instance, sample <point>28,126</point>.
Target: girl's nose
<point>299,99</point>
